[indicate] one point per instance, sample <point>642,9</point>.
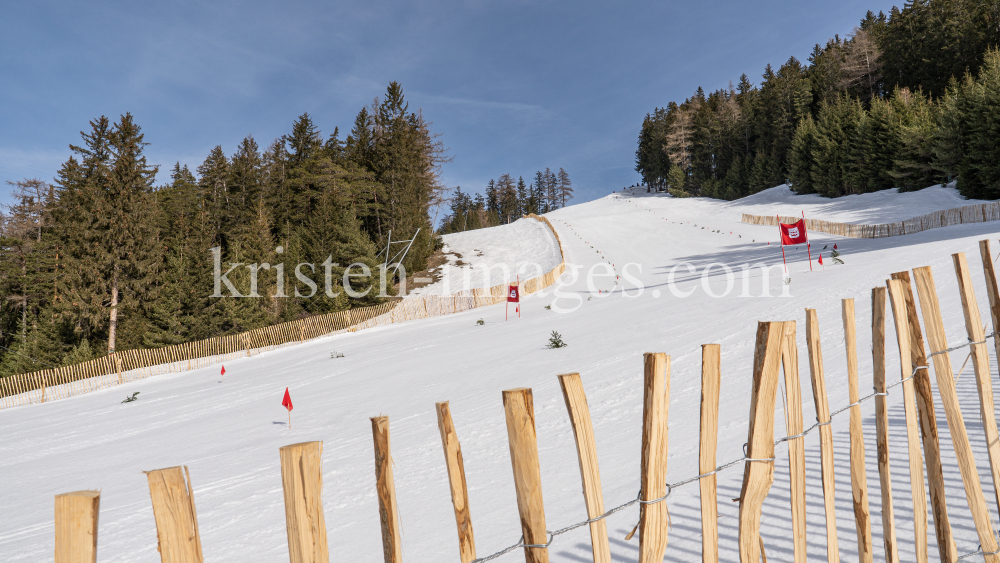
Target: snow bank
<point>476,259</point>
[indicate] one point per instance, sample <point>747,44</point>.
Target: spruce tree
<point>564,188</point>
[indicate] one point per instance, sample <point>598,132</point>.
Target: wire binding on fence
<point>977,552</point>
<point>744,459</point>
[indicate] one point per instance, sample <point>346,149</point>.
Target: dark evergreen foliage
<point>103,259</point>
<point>906,101</point>
<point>506,201</point>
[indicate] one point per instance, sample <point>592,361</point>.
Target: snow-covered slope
<point>887,206</point>
<point>476,258</point>
<point>229,433</point>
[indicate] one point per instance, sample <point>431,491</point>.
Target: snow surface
<point>526,247</point>
<point>887,206</point>
<point>229,433</point>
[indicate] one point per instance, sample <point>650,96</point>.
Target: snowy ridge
<point>477,259</point>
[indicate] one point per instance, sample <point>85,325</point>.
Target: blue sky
<point>512,87</point>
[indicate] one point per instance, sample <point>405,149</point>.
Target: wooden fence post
<point>302,482</point>
<point>981,365</point>
<point>937,342</point>
<point>519,410</point>
<point>176,521</point>
<point>899,313</point>
<point>991,288</point>
<point>590,474</point>
<point>76,526</point>
<point>392,541</point>
<point>825,432</point>
<point>758,475</point>
<point>859,481</point>
<point>709,431</point>
<point>947,550</point>
<point>796,446</point>
<point>456,480</point>
<point>118,366</point>
<point>653,471</point>
<point>882,425</point>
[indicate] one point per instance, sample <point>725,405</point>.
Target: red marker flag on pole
<point>223,372</point>
<point>794,233</point>
<point>821,259</point>
<point>287,403</point>
<point>513,296</point>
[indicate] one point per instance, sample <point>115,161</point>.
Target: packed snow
<point>488,257</point>
<point>887,206</point>
<point>228,433</point>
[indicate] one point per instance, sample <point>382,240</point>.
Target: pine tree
<point>551,189</point>
<point>564,188</point>
<point>213,178</point>
<point>979,167</point>
<point>523,199</point>
<point>540,192</point>
<point>800,159</point>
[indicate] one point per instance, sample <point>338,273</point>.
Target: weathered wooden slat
<point>519,410</point>
<point>796,446</point>
<point>981,367</point>
<point>176,520</point>
<point>947,550</point>
<point>758,473</point>
<point>590,474</point>
<point>882,425</point>
<point>653,466</point>
<point>302,483</point>
<point>709,434</point>
<point>825,433</point>
<point>76,526</point>
<point>899,313</point>
<point>859,481</point>
<point>385,486</point>
<point>937,342</point>
<point>456,481</point>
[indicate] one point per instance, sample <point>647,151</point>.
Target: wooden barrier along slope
<point>980,213</point>
<point>131,365</point>
<point>178,537</point>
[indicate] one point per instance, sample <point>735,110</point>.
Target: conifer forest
<point>101,258</point>
<point>907,100</point>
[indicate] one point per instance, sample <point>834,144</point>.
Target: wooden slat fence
<point>131,365</point>
<point>980,213</point>
<point>301,464</point>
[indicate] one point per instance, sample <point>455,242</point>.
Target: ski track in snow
<point>229,433</point>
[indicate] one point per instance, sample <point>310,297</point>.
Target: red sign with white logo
<point>794,233</point>
<point>512,295</point>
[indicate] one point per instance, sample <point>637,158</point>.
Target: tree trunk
<point>113,324</point>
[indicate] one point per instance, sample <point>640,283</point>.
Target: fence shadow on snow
<point>775,365</point>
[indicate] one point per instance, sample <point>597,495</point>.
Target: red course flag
<point>287,403</point>
<point>794,233</point>
<point>223,370</point>
<point>835,247</point>
<point>821,259</point>
<point>512,295</point>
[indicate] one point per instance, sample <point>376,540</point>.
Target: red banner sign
<point>794,233</point>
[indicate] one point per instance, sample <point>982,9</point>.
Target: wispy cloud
<point>513,107</point>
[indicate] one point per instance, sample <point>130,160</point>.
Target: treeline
<point>908,100</point>
<point>506,201</point>
<point>103,259</point>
